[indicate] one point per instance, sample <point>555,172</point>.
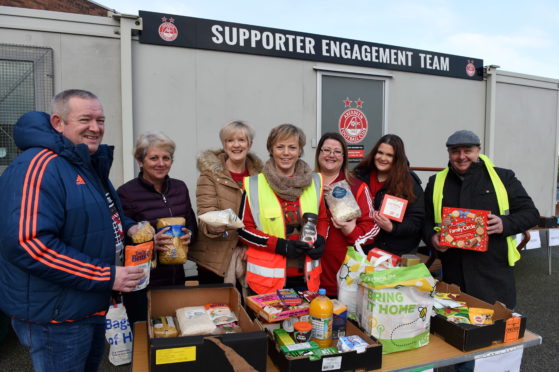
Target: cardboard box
<point>270,308</point>
<point>507,326</point>
<point>370,359</point>
<point>193,353</point>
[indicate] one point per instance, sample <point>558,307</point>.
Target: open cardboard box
<point>507,325</point>
<point>193,352</point>
<point>370,359</point>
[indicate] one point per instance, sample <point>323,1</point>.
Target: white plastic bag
<point>119,335</point>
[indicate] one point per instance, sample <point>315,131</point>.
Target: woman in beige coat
<point>219,255</point>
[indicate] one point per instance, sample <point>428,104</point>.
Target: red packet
<point>467,229</point>
<point>393,207</point>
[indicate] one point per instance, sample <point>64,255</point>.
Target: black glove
<point>316,252</point>
<point>291,248</point>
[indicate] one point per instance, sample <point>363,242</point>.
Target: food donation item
<point>220,314</point>
<point>139,255</point>
<point>302,331</point>
<point>341,202</point>
<point>308,229</point>
<point>194,320</point>
<point>224,218</point>
<point>289,297</point>
<point>176,252</point>
<point>144,233</point>
<point>464,229</point>
<point>164,326</point>
<point>480,316</point>
<point>351,343</point>
<point>321,311</point>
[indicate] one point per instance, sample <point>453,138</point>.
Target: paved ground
<point>538,299</point>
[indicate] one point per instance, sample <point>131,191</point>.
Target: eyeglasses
<point>327,152</point>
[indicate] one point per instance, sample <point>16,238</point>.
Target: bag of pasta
<point>341,202</point>
<point>175,252</point>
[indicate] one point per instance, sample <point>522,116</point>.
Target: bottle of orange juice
<point>321,312</point>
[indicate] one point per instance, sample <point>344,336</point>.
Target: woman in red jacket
<point>331,161</point>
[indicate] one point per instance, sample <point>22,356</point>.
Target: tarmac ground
<point>538,300</point>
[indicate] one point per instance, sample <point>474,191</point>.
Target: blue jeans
<point>63,347</point>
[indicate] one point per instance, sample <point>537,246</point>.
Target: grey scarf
<point>288,188</point>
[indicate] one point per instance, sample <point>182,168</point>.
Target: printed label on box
<point>464,228</point>
<point>175,355</point>
<point>332,364</point>
<point>512,330</point>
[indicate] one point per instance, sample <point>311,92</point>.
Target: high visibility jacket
<point>267,271</point>
<point>502,200</point>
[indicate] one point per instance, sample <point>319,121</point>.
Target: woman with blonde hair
<point>218,253</point>
<point>275,206</point>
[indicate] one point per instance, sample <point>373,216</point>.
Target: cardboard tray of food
<point>507,325</point>
<point>195,352</point>
<point>368,360</point>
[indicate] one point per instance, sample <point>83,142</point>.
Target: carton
<point>507,325</point>
<point>370,359</point>
<point>270,308</point>
<point>193,353</point>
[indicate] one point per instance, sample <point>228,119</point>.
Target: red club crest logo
<point>470,68</point>
<point>167,30</point>
<point>353,123</point>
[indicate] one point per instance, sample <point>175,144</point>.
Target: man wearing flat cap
<point>471,181</point>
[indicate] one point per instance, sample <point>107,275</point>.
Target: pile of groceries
<point>317,328</point>
<point>389,297</point>
<point>214,319</point>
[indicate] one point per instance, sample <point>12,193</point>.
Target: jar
<point>302,331</point>
<point>308,229</point>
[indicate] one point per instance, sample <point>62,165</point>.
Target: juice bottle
<point>321,313</point>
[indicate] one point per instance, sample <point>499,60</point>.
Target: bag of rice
<point>341,202</point>
<point>226,218</point>
<point>194,320</point>
<point>176,252</point>
<point>139,255</point>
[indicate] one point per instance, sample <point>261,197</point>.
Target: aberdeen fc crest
<point>167,30</point>
<point>470,68</point>
<point>353,122</point>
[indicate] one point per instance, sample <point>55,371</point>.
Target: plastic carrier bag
<point>119,335</point>
<point>353,265</point>
<point>395,306</point>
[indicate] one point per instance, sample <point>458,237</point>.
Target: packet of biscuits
<point>341,202</point>
<point>224,218</point>
<point>464,228</point>
<point>176,252</point>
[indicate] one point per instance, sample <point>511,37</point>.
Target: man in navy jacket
<point>61,229</point>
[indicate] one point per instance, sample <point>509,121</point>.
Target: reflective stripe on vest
<point>268,217</point>
<point>502,200</point>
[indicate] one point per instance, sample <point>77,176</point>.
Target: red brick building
<point>68,6</point>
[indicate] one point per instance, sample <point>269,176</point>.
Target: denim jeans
<point>63,347</point>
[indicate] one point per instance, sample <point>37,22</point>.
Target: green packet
<point>459,315</point>
<point>300,347</point>
<point>319,353</point>
<point>315,354</point>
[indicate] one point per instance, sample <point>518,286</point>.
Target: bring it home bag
<point>395,306</point>
<point>353,265</point>
<point>119,335</point>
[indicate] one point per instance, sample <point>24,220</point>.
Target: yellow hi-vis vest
<point>502,199</point>
<point>266,270</point>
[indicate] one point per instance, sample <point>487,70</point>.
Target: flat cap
<point>463,138</point>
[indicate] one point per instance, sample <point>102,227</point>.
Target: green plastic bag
<point>395,306</point>
<point>353,265</point>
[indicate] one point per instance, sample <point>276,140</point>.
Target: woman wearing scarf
<point>272,210</point>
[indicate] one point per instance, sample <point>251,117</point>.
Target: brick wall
<point>68,6</point>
